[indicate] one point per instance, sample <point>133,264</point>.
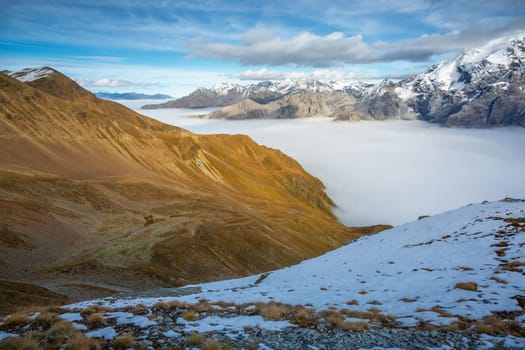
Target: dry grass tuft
<point>95,321</point>
<point>211,345</point>
<point>175,304</point>
<point>195,339</point>
<point>333,317</point>
<point>46,319</point>
<point>123,342</point>
<point>189,315</point>
<point>499,280</point>
<point>501,252</point>
<point>408,300</point>
<point>494,325</point>
<point>27,341</point>
<point>363,292</point>
<point>17,320</point>
<point>94,309</point>
<point>303,317</point>
<point>441,312</point>
<point>352,302</point>
<point>464,268</point>
<point>355,326</point>
<point>470,286</point>
<point>80,342</point>
<point>139,309</point>
<point>513,266</point>
<point>274,311</point>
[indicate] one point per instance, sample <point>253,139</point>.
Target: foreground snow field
<point>464,266</point>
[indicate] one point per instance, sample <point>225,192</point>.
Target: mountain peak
<point>31,74</point>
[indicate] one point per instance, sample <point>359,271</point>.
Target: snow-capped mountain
<point>225,94</point>
<point>481,87</point>
<point>32,74</point>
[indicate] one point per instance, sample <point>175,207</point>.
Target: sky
<point>174,47</point>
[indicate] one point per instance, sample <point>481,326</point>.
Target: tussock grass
<point>94,309</point>
<point>355,326</point>
<point>195,339</point>
<point>470,286</point>
<point>18,319</point>
<point>303,317</point>
<point>46,319</point>
<point>211,345</point>
<point>27,341</point>
<point>499,280</point>
<point>463,268</point>
<point>273,311</point>
<point>123,342</point>
<point>139,309</point>
<point>95,321</point>
<point>190,315</point>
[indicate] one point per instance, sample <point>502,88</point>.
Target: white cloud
<point>103,82</point>
<point>261,47</point>
<point>320,74</point>
<point>387,171</point>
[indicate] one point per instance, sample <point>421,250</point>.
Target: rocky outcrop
<point>481,88</point>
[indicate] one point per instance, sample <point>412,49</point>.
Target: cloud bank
<point>262,47</point>
<point>389,171</point>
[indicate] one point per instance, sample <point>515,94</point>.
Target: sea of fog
<point>385,171</point>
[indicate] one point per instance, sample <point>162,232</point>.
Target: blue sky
<point>176,46</point>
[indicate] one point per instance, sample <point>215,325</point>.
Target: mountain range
<point>482,87</point>
<point>96,198</point>
<point>130,96</point>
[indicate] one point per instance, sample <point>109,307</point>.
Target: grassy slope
<point>79,176</point>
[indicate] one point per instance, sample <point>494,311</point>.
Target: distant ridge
<point>130,96</point>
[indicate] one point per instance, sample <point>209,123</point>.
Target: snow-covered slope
<point>422,262</point>
<point>32,74</point>
<point>460,270</point>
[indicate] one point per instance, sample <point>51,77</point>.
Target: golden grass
<point>464,268</point>
<point>513,266</point>
<point>189,315</point>
<point>195,339</point>
<point>499,280</point>
<point>303,317</point>
<point>363,292</point>
<point>16,320</point>
<point>94,309</point>
<point>123,342</point>
<point>408,300</point>
<point>501,252</point>
<point>46,319</point>
<point>352,302</point>
<point>95,321</point>
<point>27,341</point>
<point>211,345</point>
<point>494,325</point>
<point>80,342</point>
<point>354,326</point>
<point>139,309</point>
<point>470,286</point>
<point>274,311</point>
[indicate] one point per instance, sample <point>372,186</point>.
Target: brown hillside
<point>95,196</point>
